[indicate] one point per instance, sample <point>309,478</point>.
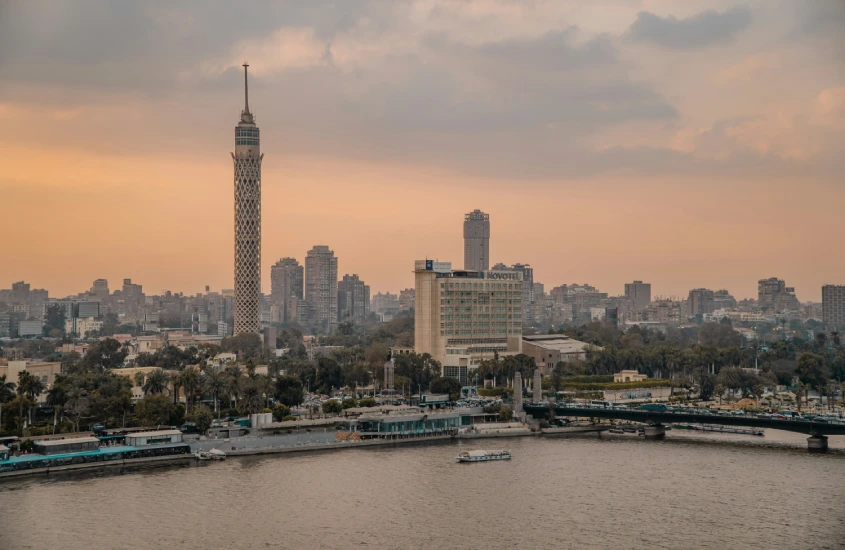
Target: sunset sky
<point>684,143</point>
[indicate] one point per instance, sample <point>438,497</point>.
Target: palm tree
<point>177,381</point>
<point>191,382</point>
<point>7,393</point>
<point>250,402</point>
<point>821,341</point>
<point>233,383</point>
<point>56,398</point>
<point>31,387</point>
<point>214,382</point>
<point>266,386</point>
<point>156,382</point>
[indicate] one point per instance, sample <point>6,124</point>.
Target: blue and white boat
<point>483,456</point>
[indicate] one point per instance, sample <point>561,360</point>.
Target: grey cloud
<point>703,29</point>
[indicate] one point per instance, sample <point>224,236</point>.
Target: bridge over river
<point>655,420</point>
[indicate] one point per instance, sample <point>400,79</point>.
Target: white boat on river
<point>213,454</point>
<point>483,456</point>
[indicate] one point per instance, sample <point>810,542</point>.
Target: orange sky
<point>686,166</point>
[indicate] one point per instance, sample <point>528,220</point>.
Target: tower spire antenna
<point>246,89</point>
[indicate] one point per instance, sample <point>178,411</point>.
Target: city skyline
<point>727,179</point>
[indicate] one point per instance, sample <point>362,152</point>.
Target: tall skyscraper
<point>321,284</point>
<point>833,306</point>
<point>247,159</point>
<point>639,294</point>
<point>286,281</point>
<point>353,298</point>
<point>477,241</point>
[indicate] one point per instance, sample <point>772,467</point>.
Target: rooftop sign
<point>503,275</point>
<point>431,265</point>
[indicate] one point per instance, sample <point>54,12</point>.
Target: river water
<point>556,493</point>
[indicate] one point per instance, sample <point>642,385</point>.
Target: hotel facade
<point>464,317</point>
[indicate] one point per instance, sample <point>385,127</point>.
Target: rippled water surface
<point>555,493</point>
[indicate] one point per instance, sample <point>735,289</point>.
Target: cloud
<point>700,30</point>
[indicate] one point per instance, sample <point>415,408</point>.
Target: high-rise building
<point>20,293</point>
<point>701,301</point>
<point>639,294</point>
<point>286,280</point>
<point>386,305</point>
<point>723,300</point>
<point>247,160</point>
<point>773,294</point>
<point>353,298</point>
<point>321,284</point>
<point>406,299</point>
<point>477,241</point>
<point>100,289</point>
<point>833,306</point>
<point>463,317</point>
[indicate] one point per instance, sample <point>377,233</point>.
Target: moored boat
<point>213,454</point>
<point>483,456</point>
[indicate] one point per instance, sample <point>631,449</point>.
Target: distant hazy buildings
<point>477,241</point>
<point>774,295</point>
<point>321,284</point>
<point>385,306</point>
<point>287,280</point>
<point>833,306</point>
<point>638,293</point>
<point>701,301</point>
<point>406,299</point>
<point>353,298</point>
<point>463,317</point>
<point>100,289</point>
<point>247,163</point>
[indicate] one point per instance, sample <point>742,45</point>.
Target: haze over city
<point>686,144</point>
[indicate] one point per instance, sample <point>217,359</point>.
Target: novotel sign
<point>503,275</point>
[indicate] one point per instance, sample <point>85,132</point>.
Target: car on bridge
<point>653,407</point>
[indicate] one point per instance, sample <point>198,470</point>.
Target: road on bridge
<point>809,427</point>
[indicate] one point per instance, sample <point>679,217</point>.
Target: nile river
<point>555,493</point>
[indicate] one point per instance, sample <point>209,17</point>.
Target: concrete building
<point>386,305</point>
<point>80,326</point>
<point>353,298</point>
<point>551,349</point>
<point>477,241</point>
<point>20,293</point>
<point>463,317</point>
<point>287,279</point>
<point>100,289</point>
<point>629,376</point>
<point>833,306</point>
<point>639,294</point>
<point>406,299</point>
<point>321,284</point>
<point>247,164</point>
<point>773,294</point>
<point>28,329</point>
<point>701,301</point>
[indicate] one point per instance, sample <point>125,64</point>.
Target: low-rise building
<point>629,376</point>
<point>551,349</point>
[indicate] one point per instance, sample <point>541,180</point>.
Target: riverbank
<point>112,464</point>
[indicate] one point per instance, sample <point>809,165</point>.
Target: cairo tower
<point>247,158</point>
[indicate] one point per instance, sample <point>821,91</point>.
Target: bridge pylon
<point>817,443</point>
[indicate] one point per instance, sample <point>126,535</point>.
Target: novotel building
<point>464,317</point>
